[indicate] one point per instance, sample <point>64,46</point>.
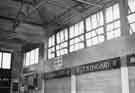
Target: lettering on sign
<point>98,66</point>
<point>86,68</point>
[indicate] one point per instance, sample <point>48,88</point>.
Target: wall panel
<point>60,85</point>
<point>99,82</point>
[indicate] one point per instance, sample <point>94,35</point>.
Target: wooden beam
<point>24,21</point>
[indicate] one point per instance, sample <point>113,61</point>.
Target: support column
<point>123,17</point>
<point>73,84</point>
<point>124,75</point>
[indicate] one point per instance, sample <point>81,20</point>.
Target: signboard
<point>57,63</point>
<point>58,74</point>
<point>86,68</point>
<point>131,60</point>
<point>98,66</point>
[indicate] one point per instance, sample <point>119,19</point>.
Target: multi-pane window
<point>62,42</point>
<point>5,60</point>
<point>31,57</point>
<point>112,19</point>
<point>98,27</point>
<point>131,16</point>
<point>76,36</point>
<point>51,47</point>
<point>94,29</point>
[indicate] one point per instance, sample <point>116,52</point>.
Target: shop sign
<point>86,68</point>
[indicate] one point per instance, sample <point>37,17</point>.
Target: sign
<point>131,60</point>
<point>57,63</point>
<point>86,68</point>
<point>58,74</point>
<point>98,66</point>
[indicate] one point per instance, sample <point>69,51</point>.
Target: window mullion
<point>55,40</point>
<point>1,59</point>
<point>123,8</point>
<point>85,45</point>
<point>104,25</point>
<point>68,41</point>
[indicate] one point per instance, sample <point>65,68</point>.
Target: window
<point>98,27</point>
<point>62,42</point>
<point>112,16</point>
<point>5,60</point>
<point>51,46</point>
<point>131,16</point>
<point>94,29</point>
<point>76,36</point>
<point>31,57</point>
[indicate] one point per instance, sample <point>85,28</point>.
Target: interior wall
<point>99,82</point>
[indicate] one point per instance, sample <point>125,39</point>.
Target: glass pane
<point>110,35</point>
<point>81,27</point>
<point>51,41</point>
<point>32,57</point>
<point>76,30</point>
<point>6,63</point>
<point>132,28</point>
<point>94,40</point>
<point>116,12</point>
<point>71,48</point>
<point>117,24</point>
<point>131,18</point>
<point>88,24</point>
<point>36,55</point>
<point>117,33</point>
<point>89,42</point>
<point>0,59</point>
<point>66,34</point>
<point>71,30</point>
<point>100,31</point>
<point>131,4</point>
<point>110,27</point>
<point>101,38</point>
<point>109,14</point>
<point>94,21</point>
<point>27,59</point>
<point>58,38</point>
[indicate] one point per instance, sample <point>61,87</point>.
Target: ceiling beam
<point>88,3</point>
<point>24,21</point>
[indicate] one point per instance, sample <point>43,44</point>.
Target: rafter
<point>24,21</point>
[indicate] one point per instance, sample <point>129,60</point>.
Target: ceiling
<point>30,21</point>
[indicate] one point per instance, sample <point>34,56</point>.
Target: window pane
<point>51,41</point>
<point>51,52</point>
<point>131,18</point>
<point>113,30</point>
<point>27,58</point>
<point>94,21</point>
<point>89,42</point>
<point>112,13</point>
<point>0,59</point>
<point>109,14</point>
<point>36,55</point>
<point>76,29</point>
<point>88,24</point>
<point>131,4</point>
<point>32,57</point>
<point>116,12</point>
<point>71,30</point>
<point>132,28</point>
<point>6,60</point>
